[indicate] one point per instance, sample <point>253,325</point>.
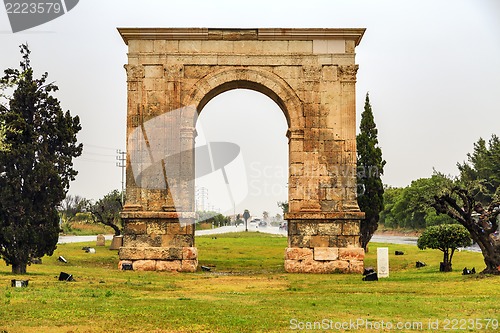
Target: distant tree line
<point>217,219</point>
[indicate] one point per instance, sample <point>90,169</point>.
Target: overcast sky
<point>432,69</point>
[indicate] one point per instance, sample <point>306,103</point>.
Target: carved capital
<point>348,73</point>
<point>134,73</point>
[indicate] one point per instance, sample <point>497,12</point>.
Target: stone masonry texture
<point>309,73</point>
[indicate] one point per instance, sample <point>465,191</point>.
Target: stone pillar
<point>324,218</point>
<point>324,243</point>
<point>348,133</point>
<point>158,241</point>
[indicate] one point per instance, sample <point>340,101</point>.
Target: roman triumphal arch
<point>172,73</point>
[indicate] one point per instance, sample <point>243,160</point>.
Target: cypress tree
<point>370,167</point>
<point>36,169</point>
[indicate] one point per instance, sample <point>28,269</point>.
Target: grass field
<point>247,290</point>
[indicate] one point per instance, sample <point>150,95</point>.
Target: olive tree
<point>446,238</point>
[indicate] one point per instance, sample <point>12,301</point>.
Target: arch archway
<point>257,127</point>
<point>309,73</point>
<point>259,80</point>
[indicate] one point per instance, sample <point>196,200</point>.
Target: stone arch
<point>265,82</point>
<point>172,73</point>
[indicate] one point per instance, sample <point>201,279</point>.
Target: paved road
<point>251,227</point>
<point>411,241</point>
<point>80,239</point>
<point>270,230</point>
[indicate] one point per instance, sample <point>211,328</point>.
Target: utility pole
<point>201,196</point>
<point>121,159</point>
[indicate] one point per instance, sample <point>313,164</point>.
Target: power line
<point>96,146</point>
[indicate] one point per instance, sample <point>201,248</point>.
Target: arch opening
<point>262,81</point>
<point>256,178</point>
<point>248,85</point>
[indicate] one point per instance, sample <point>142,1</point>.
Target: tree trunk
<point>491,252</point>
<point>445,266</point>
<point>19,269</point>
<point>492,261</point>
<point>110,223</point>
<point>116,229</point>
<point>482,229</point>
<point>367,229</point>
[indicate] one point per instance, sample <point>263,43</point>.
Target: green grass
<point>247,290</point>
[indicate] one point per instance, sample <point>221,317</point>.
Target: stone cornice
<point>241,34</point>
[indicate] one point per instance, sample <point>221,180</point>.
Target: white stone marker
<point>383,262</point>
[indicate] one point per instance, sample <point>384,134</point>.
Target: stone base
<point>324,260</point>
<point>180,259</point>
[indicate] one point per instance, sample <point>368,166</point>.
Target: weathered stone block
<point>190,46</point>
<point>330,229</point>
<point>157,253</point>
<point>153,71</point>
<point>177,228</point>
<point>140,241</point>
<point>135,228</point>
<point>326,253</point>
<point>225,46</point>
<point>189,253</point>
<point>291,266</point>
<point>274,47</point>
<point>352,254</point>
<point>189,266</point>
<point>299,241</point>
<point>247,47</point>
<point>296,46</point>
<point>348,241</point>
<point>356,266</point>
<point>143,46</point>
<point>292,227</point>
<point>294,253</point>
<point>319,241</point>
<point>176,253</point>
<point>144,265</point>
<point>333,242</point>
<point>350,228</point>
<point>301,266</point>
<point>183,240</point>
<point>156,227</point>
<point>307,228</point>
<point>168,265</point>
<point>197,72</point>
<point>167,240</point>
<point>329,73</point>
<point>337,266</point>
<point>131,253</point>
